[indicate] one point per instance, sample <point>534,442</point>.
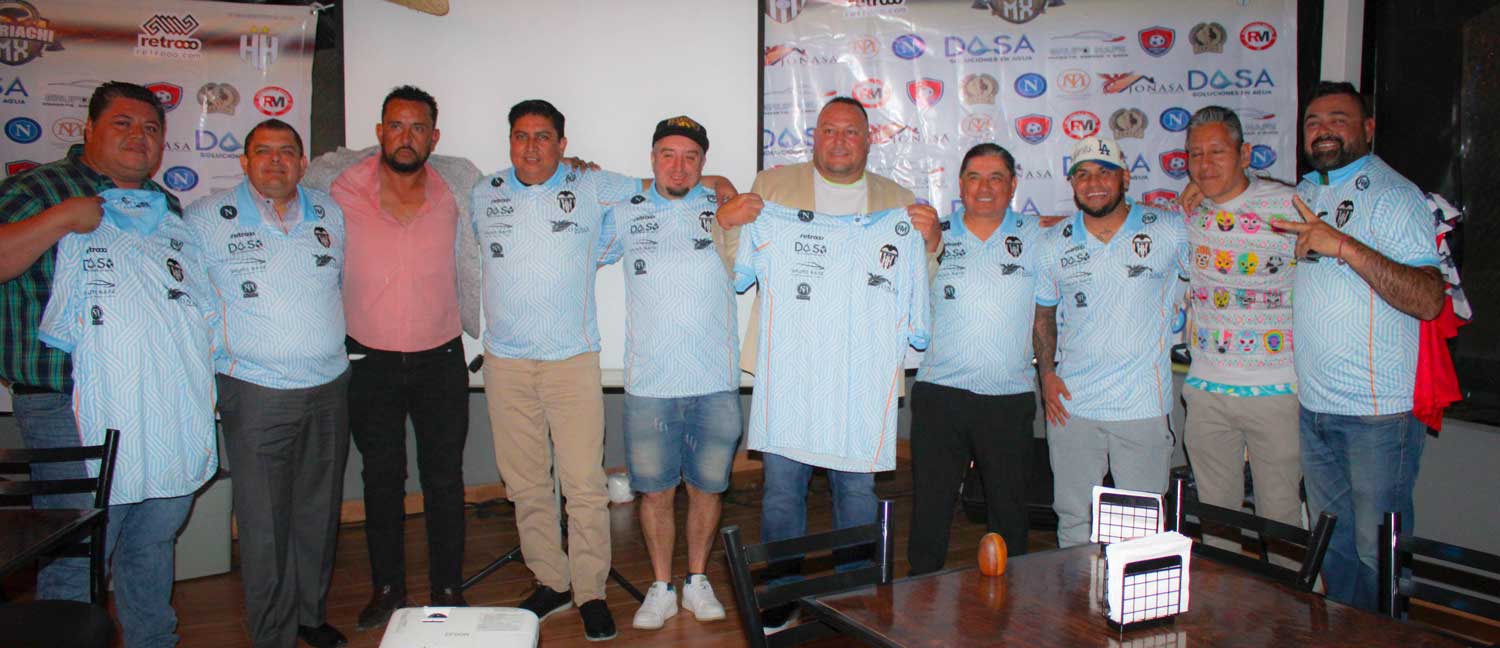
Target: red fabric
<point>1437,383</point>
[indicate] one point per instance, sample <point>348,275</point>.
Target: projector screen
<point>614,69</point>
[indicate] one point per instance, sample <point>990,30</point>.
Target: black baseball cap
<point>684,126</point>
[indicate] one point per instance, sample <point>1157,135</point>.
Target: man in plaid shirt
<point>122,148</point>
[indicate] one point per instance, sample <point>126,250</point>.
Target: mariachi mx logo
<point>24,33</point>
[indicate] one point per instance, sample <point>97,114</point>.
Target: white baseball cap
<point>1097,149</point>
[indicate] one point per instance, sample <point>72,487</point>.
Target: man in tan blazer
<point>835,182</point>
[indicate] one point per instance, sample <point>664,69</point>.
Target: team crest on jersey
<point>566,201</point>
<point>174,268</point>
<point>497,181</point>
<point>318,209</point>
<point>1080,300</point>
<point>1068,231</point>
<point>888,256</point>
<point>1345,210</point>
<point>706,220</point>
<point>1013,245</point>
<point>175,244</point>
<point>637,199</point>
<point>903,228</point>
<point>640,266</point>
<point>1141,243</point>
<point>1148,218</point>
<point>1362,183</point>
<point>248,289</point>
<point>570,177</point>
<point>497,251</point>
<point>228,212</point>
<point>804,291</point>
<point>96,315</point>
<point>804,215</point>
<point>949,292</point>
<point>323,238</point>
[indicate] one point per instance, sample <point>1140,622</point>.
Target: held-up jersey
<point>1115,305</point>
<point>1356,355</point>
<point>540,245</point>
<point>982,308</point>
<point>842,296</point>
<point>129,302</point>
<point>277,294</point>
<point>681,331</point>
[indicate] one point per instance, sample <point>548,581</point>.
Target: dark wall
<point>1433,69</point>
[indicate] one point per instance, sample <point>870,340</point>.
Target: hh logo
<point>259,48</point>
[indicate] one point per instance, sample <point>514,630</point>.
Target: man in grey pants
<point>1108,281</point>
<point>274,253</point>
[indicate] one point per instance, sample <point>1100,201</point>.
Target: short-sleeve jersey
<point>540,246</point>
<point>1356,354</point>
<point>1115,305</point>
<point>277,293</point>
<point>982,308</point>
<point>842,298</point>
<point>1241,296</point>
<point>129,302</point>
<point>681,331</point>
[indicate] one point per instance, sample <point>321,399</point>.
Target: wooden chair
<point>1314,544</point>
<point>753,600</point>
<point>20,492</point>
<point>1435,572</point>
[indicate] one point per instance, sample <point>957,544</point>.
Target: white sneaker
<point>698,598</point>
<point>660,605</point>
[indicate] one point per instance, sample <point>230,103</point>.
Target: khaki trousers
<point>530,402</point>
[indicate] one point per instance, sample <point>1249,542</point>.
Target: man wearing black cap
<point>682,402</point>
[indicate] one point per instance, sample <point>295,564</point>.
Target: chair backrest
<point>752,600</point>
<point>1454,577</point>
<point>1313,544</point>
<point>18,461</point>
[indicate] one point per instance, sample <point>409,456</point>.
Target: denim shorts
<point>693,438</point>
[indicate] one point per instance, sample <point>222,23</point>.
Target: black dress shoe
<point>385,601</point>
<point>323,636</point>
<point>448,597</point>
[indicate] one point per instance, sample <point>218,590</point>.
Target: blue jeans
<point>1357,468</point>
<point>46,421</point>
<point>784,506</point>
<point>669,440</point>
<point>141,545</point>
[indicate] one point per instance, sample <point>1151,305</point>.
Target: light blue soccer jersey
<point>842,297</point>
<point>277,294</point>
<point>129,302</point>
<point>982,306</point>
<point>540,246</point>
<point>1356,354</point>
<point>681,332</point>
<point>1115,305</point>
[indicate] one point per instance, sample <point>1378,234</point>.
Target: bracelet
<point>1339,254</point>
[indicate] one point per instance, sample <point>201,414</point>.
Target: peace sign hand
<point>1314,236</point>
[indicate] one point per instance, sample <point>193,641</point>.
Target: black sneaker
<point>448,597</point>
<point>778,618</point>
<point>598,623</point>
<point>384,602</point>
<point>545,601</point>
<point>323,636</point>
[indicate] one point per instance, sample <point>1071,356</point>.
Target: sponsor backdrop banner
<point>1035,76</point>
<point>219,68</point>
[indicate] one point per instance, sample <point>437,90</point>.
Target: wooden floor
<point>211,609</point>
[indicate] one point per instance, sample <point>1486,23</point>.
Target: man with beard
<point>411,286</point>
<point>1108,280</point>
<point>274,253</point>
<point>1368,277</point>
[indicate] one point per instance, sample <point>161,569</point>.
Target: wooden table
<point>1052,598</point>
<point>26,534</point>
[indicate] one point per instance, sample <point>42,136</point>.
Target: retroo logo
<point>259,48</point>
<point>1258,36</point>
<point>273,101</point>
<point>24,33</point>
<point>169,36</point>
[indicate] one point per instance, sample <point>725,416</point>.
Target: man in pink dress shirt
<point>410,290</point>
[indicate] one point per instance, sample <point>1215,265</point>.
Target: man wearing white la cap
<point>1108,280</point>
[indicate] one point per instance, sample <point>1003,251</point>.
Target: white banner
<point>219,68</point>
<point>1035,76</point>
